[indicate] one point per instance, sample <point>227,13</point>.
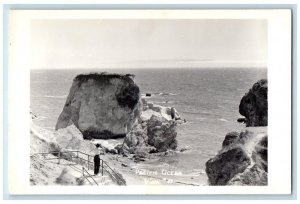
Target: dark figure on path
<point>173,113</point>
<point>96,164</point>
<point>99,151</point>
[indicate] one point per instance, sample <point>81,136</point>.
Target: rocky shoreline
<point>136,168</point>
<point>108,109</point>
<point>149,130</point>
<point>243,158</point>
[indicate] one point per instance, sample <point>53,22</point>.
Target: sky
<point>142,43</point>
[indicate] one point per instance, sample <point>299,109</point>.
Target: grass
<point>104,77</point>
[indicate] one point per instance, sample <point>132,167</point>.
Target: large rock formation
<point>243,157</point>
<point>154,135</point>
<point>254,105</point>
<point>154,132</point>
<point>102,106</point>
<point>242,160</point>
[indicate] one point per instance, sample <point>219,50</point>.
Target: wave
<point>49,96</point>
<point>161,94</point>
<point>166,94</point>
<point>224,120</point>
<point>164,102</point>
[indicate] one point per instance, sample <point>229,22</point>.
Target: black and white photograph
<point>149,101</point>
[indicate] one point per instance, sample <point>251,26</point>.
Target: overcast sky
<point>148,43</point>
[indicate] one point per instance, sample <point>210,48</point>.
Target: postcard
<point>149,101</point>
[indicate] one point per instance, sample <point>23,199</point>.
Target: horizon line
<point>141,68</point>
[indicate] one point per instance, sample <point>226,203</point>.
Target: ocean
<point>207,98</point>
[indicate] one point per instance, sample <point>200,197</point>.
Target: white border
<point>279,76</point>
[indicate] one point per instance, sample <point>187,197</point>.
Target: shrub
<point>103,77</point>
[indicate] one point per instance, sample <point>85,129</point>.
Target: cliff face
<point>254,105</point>
<point>101,106</point>
<point>243,159</point>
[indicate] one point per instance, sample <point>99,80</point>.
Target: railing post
<point>77,158</point>
<point>59,157</point>
<point>88,162</point>
<point>102,167</point>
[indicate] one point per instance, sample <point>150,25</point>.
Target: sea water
<point>207,98</point>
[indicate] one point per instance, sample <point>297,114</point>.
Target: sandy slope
<point>66,173</point>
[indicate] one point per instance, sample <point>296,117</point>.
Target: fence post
<point>88,162</point>
<point>77,158</point>
<point>102,167</point>
<point>82,171</point>
<point>59,157</point>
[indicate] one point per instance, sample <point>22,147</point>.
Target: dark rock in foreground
<point>242,160</point>
<point>254,105</point>
<point>226,165</point>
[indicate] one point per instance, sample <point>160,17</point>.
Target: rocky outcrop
<point>254,105</point>
<point>43,172</point>
<point>161,133</point>
<point>242,160</point>
<point>154,135</point>
<point>101,106</point>
<point>230,138</point>
<point>69,138</point>
<point>154,132</point>
<point>150,109</point>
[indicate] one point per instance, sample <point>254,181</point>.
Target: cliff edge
<point>101,106</point>
<point>243,158</point>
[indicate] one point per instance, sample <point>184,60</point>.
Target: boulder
<point>254,105</point>
<point>161,133</point>
<point>253,176</point>
<point>155,135</point>
<point>66,178</point>
<point>230,138</point>
<point>101,106</point>
<point>166,112</point>
<point>242,159</point>
<point>226,165</point>
<point>70,138</point>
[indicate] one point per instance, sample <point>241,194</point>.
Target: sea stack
<point>254,105</point>
<point>243,158</point>
<point>101,105</point>
<point>155,132</point>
